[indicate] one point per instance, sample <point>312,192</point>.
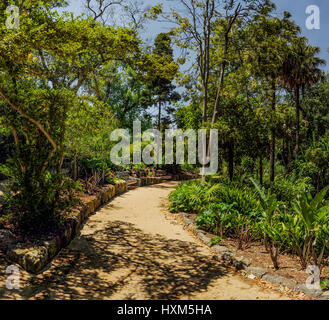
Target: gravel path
<point>132,249</point>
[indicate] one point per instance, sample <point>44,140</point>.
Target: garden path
<point>133,249</point>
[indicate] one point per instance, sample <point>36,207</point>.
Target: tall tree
<point>161,85</point>
<point>300,70</point>
<point>196,28</point>
<point>269,40</point>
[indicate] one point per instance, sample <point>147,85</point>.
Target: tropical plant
<point>188,197</point>
<point>269,224</point>
<point>307,225</point>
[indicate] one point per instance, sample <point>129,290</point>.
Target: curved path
<point>131,250</point>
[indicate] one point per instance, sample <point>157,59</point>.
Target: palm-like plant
<point>313,212</point>
<point>301,69</point>
<point>269,226</point>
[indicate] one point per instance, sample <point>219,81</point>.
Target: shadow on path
<point>106,262</point>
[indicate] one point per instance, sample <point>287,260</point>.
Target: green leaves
<point>312,210</point>
<point>308,227</point>
<point>268,201</point>
<point>46,68</point>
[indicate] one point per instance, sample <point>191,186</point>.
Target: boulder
<point>256,271</point>
<point>280,280</point>
<point>32,259</point>
<point>7,240</point>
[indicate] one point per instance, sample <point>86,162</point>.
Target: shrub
<point>222,208</point>
<point>287,188</point>
<point>247,165</point>
<point>37,204</point>
<point>244,199</point>
<point>308,228</point>
<point>218,218</point>
<point>189,197</point>
<point>270,225</point>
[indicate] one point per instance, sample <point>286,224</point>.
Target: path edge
<point>34,258</point>
<point>244,265</point>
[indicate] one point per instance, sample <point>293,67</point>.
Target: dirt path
<point>130,250</point>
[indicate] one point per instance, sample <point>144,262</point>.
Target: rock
<point>309,292</point>
<point>193,228</point>
<point>97,203</point>
<point>204,238</point>
<point>256,271</point>
<point>241,262</point>
<point>52,248</point>
<point>280,280</point>
<point>36,260</point>
<point>187,220</point>
<point>227,256</point>
<point>89,209</point>
<point>7,240</point>
<point>120,187</point>
<point>220,249</point>
<point>32,259</point>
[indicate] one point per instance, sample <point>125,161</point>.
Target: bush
<point>189,197</point>
<point>37,200</point>
<point>237,211</point>
<point>243,198</point>
<point>218,218</point>
<point>287,188</point>
<point>222,208</point>
<point>308,227</point>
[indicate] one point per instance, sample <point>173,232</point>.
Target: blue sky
<point>296,7</point>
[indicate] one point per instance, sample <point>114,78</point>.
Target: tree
<point>160,85</point>
<point>39,82</point>
<point>300,70</point>
<point>130,13</point>
<point>269,40</point>
<point>195,30</point>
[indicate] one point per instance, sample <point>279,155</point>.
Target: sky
<point>297,8</point>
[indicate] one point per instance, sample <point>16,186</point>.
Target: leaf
<point>319,198</point>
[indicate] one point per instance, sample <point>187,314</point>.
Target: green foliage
<point>313,163</point>
<point>188,197</point>
<point>309,228</point>
<point>287,187</point>
<point>222,209</point>
<point>244,200</point>
<point>233,210</point>
<point>218,218</point>
<point>37,202</point>
<point>46,67</point>
<point>215,240</point>
<point>325,284</point>
<point>270,224</point>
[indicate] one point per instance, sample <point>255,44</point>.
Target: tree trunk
<point>297,94</point>
<point>272,144</point>
<point>159,116</point>
<point>261,170</point>
<point>289,154</point>
<point>231,160</point>
<point>75,166</point>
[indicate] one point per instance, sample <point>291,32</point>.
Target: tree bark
<point>297,96</point>
<point>272,143</point>
<point>75,166</point>
<point>159,116</point>
<point>231,160</point>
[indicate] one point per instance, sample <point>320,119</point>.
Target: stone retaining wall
<point>35,258</point>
